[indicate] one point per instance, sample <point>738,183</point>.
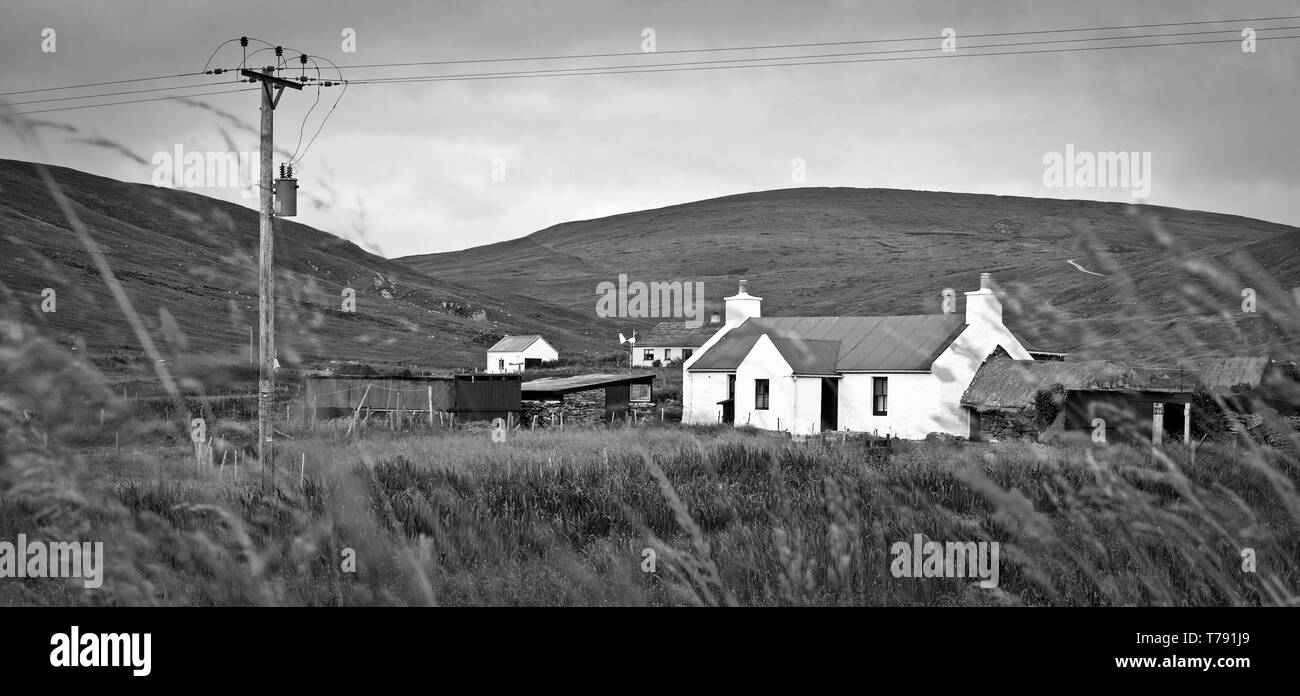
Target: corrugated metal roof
<point>863,344</point>
<point>565,385</point>
<point>675,334</point>
<point>513,344</point>
<point>809,357</point>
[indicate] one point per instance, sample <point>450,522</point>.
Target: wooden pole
<point>269,83</point>
<point>357,412</point>
<point>266,288</point>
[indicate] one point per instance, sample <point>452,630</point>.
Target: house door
<point>729,406</point>
<point>830,404</point>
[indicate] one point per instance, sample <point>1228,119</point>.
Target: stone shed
<point>585,398</point>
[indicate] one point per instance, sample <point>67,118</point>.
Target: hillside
<point>196,258</point>
<point>827,251</point>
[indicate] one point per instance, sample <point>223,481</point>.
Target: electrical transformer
<point>286,193</point>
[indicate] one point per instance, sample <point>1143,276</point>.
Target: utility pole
<point>265,269</point>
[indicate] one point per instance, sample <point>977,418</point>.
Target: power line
<point>207,85</point>
<point>303,126</point>
<point>810,56</point>
<point>129,101</point>
<point>100,84</point>
<point>668,52</point>
<point>764,47</point>
<point>329,113</point>
<point>694,66</point>
<point>687,66</point>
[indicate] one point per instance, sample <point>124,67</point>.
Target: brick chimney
<point>742,305</point>
<point>983,305</point>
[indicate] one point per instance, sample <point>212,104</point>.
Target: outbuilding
<point>518,353</point>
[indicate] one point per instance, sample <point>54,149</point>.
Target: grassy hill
<point>1146,288</point>
<point>195,259</point>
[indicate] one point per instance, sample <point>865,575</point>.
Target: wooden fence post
<point>357,412</point>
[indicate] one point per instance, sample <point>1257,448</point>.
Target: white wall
<point>911,405</point>
<point>699,406</point>
<point>807,418</point>
<point>701,392</point>
<point>765,362</point>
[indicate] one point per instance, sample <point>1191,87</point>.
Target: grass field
<point>733,517</point>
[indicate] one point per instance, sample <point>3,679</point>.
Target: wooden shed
<point>468,397</point>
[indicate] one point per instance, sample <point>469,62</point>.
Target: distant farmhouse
<point>898,375</point>
<point>517,353</point>
<point>671,340</point>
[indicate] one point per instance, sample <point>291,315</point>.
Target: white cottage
<point>515,353</point>
<point>903,376</point>
<point>671,340</point>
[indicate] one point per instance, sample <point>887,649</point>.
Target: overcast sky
<point>409,168</point>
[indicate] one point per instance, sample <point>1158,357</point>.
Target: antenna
<point>631,346</point>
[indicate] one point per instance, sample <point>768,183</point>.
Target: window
<point>501,365</point>
<point>879,396</point>
<point>686,353</point>
<point>648,355</point>
<point>760,394</point>
<point>639,392</point>
<point>668,354</point>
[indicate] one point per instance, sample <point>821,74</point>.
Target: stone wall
<point>580,407</point>
<point>1009,425</point>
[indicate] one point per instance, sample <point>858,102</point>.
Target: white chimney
<point>715,318</point>
<point>983,305</point>
<point>742,305</point>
